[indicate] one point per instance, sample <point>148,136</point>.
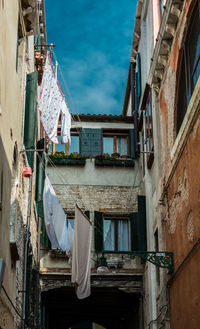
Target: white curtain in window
<point>122,145</point>
<point>123,237</point>
<point>109,235</point>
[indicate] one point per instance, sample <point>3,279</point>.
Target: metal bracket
<point>163,259</point>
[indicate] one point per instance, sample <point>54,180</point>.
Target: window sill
<point>115,163</point>
<point>56,253</point>
<point>69,162</point>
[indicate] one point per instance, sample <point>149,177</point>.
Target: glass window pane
<point>109,234</point>
<point>74,146</point>
<point>71,220</point>
<point>122,145</point>
<point>123,235</point>
<point>59,147</point>
<point>108,145</point>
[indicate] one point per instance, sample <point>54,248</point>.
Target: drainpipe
<point>133,109</point>
<point>27,237</point>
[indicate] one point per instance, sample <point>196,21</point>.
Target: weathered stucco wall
<point>181,181</point>
<point>12,92</point>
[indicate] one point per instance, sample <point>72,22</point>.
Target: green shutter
<point>142,236</point>
<point>39,184</point>
<point>134,231</point>
<point>98,230</point>
<point>90,142</point>
<point>132,143</point>
<point>30,115</point>
<point>136,92</point>
<point>138,79</point>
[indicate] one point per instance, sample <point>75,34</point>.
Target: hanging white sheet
<point>65,123</point>
<point>50,101</point>
<point>81,254</point>
<point>55,218</point>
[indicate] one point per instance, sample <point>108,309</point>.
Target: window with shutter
<point>119,141</point>
<point>189,66</point>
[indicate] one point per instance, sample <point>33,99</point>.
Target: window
<point>116,234</point>
<point>66,148</point>
<point>148,136</point>
<point>116,142</point>
<point>121,232</point>
<point>190,66</point>
<point>74,146</point>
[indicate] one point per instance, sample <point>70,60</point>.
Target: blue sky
<point>93,45</point>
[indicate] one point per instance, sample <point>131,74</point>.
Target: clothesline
<point>99,229</point>
<point>97,226</point>
<point>70,97</point>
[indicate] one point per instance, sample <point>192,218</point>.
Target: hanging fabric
<point>81,254</point>
<point>55,219</point>
<point>65,123</point>
<point>50,101</point>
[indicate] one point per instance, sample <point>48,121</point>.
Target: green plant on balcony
<point>62,155</point>
<point>67,159</point>
<point>110,160</point>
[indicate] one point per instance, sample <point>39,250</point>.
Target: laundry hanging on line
<point>81,264</point>
<point>58,228</point>
<point>51,102</point>
<point>65,124</point>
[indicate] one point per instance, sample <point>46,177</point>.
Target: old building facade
<point>163,96</point>
<point>19,225</point>
<point>135,176</point>
<point>108,190</point>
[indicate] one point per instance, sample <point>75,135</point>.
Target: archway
<point>106,308</point>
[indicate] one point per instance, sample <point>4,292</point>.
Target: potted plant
<point>60,158</point>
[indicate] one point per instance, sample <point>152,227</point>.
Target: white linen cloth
<point>81,254</point>
<point>65,123</point>
<point>50,101</point>
<point>55,218</point>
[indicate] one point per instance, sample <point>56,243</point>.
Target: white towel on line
<point>55,218</point>
<point>81,263</point>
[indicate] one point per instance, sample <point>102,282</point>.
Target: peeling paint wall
<point>181,178</point>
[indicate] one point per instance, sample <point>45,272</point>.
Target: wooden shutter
<point>142,236</point>
<point>132,143</point>
<point>98,230</point>
<point>30,115</point>
<point>134,231</point>
<point>90,142</point>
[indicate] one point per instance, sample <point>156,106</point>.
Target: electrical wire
<point>13,306</point>
<point>84,206</point>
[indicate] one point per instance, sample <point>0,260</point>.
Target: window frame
<point>73,132</point>
<point>185,83</point>
<point>148,143</point>
<point>114,134</point>
<point>117,218</point>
